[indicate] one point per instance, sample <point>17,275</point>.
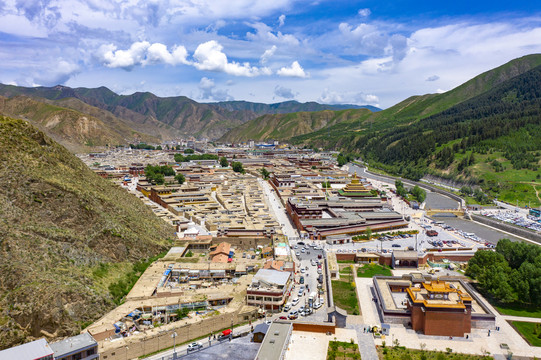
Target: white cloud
<point>283,92</point>
<point>125,59</point>
<point>364,12</point>
<point>210,57</point>
<point>267,54</point>
<point>158,53</point>
<point>333,97</point>
<point>281,20</point>
<point>264,34</point>
<point>58,73</point>
<point>295,70</point>
<point>209,91</point>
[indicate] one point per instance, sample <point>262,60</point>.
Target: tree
<point>368,232</point>
<point>400,189</point>
<point>159,147</point>
<point>223,162</point>
<point>418,193</point>
<point>265,173</point>
<point>326,184</point>
<point>237,167</point>
<point>159,179</point>
<point>180,178</point>
<point>188,151</point>
<point>182,313</point>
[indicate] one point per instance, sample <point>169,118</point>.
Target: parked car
<point>319,256</point>
<point>295,301</point>
<point>195,346</point>
<point>300,243</point>
<point>283,318</point>
<point>395,245</point>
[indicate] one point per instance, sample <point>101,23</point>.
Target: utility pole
<point>174,336</point>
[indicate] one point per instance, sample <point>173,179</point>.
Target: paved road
<point>276,207</point>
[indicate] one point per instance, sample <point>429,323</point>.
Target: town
<point>283,253</point>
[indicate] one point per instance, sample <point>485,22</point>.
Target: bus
<point>535,212</point>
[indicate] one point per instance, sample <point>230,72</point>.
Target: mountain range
<point>74,116</point>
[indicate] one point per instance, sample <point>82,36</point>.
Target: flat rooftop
<point>275,341</point>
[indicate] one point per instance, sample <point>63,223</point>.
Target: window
<point>90,351</point>
<point>77,356</point>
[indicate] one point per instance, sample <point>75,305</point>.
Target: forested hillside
<point>491,139</point>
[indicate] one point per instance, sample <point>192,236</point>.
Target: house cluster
<point>78,347</point>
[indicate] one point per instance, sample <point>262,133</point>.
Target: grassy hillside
<point>73,129</point>
<point>416,108</point>
<point>61,224</point>
<point>284,126</point>
<point>491,139</point>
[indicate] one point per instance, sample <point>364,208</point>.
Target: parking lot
<point>308,270</point>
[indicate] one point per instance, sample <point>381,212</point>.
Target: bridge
<point>456,212</point>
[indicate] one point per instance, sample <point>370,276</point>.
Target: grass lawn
<point>345,270</point>
<point>518,310</point>
<point>401,353</point>
<point>530,331</point>
<point>343,350</point>
<point>370,270</point>
<point>345,296</point>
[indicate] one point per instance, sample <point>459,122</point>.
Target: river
<point>438,201</point>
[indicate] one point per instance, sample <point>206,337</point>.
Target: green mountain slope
<point>491,139</point>
<point>286,107</point>
<point>73,129</point>
<point>60,223</point>
<point>418,107</point>
<point>284,126</point>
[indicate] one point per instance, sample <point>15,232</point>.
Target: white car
<point>298,253</point>
<point>302,250</point>
<point>295,301</point>
<point>302,270</point>
<point>316,305</point>
<point>195,346</point>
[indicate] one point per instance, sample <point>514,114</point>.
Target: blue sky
<point>362,52</point>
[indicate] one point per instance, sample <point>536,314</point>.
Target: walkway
<point>521,318</point>
<point>367,348</point>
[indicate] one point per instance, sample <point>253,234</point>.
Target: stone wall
<point>140,346</point>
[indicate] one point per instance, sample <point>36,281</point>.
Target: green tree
<point>159,147</point>
<point>180,178</point>
<point>188,151</point>
<point>223,162</point>
<point>326,184</point>
<point>368,232</point>
<point>237,167</point>
<point>265,173</point>
<point>418,193</point>
<point>159,179</point>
